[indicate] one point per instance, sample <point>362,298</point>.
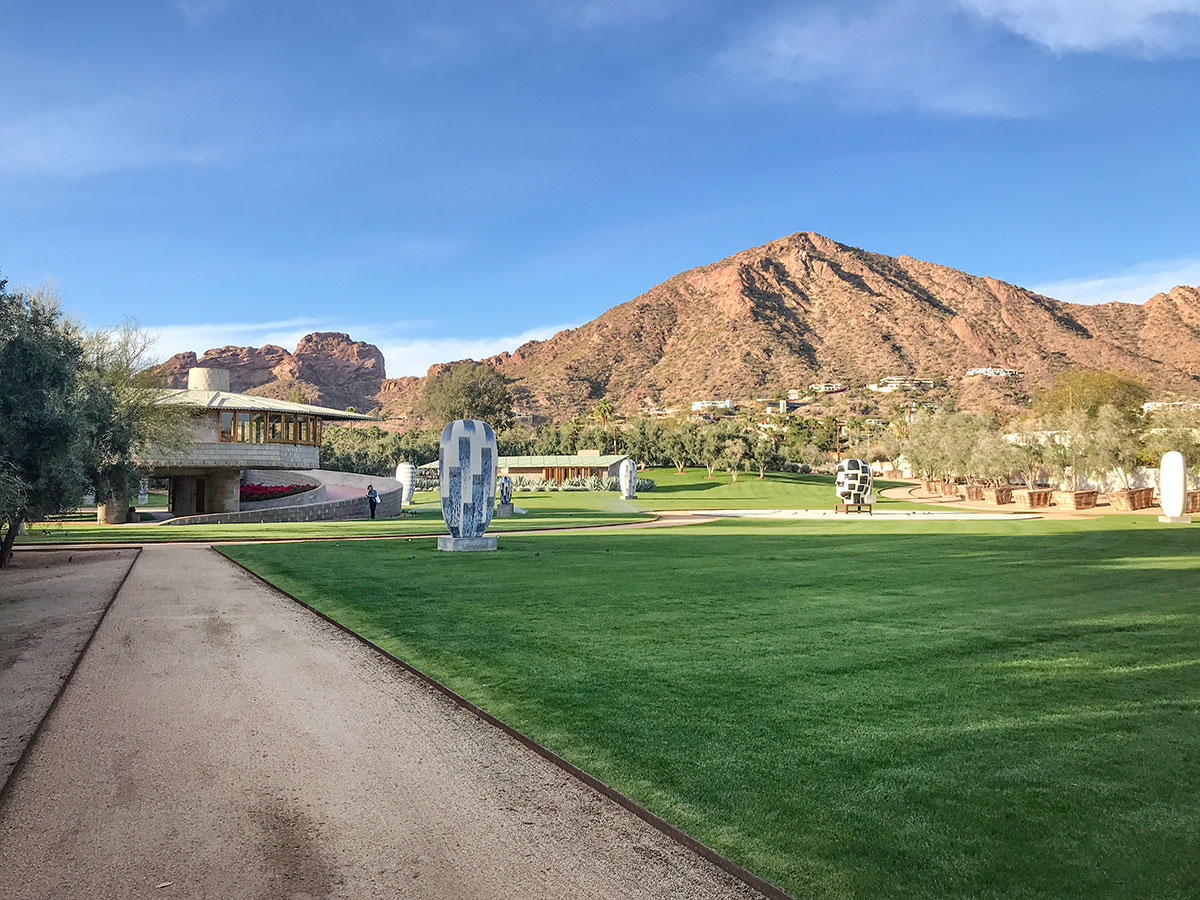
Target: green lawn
<point>851,709</point>
<point>778,490</point>
<point>548,510</point>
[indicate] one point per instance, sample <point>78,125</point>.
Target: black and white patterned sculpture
<point>627,475</point>
<point>854,481</point>
<point>467,481</point>
<point>504,508</point>
<point>406,474</point>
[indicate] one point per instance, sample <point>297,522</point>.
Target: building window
<point>268,428</point>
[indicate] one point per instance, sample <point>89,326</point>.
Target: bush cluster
<point>256,492</point>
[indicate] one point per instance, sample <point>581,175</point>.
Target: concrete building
<point>233,432</point>
<point>994,372</point>
<point>900,383</point>
<point>712,405</point>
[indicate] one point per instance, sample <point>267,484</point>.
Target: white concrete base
<point>504,510</point>
<point>462,545</point>
<point>1175,520</point>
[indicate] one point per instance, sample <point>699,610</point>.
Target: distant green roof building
<point>557,468</point>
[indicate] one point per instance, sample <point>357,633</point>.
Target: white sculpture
<point>1172,488</point>
<point>854,481</point>
<point>627,474</point>
<point>406,474</point>
<point>467,481</point>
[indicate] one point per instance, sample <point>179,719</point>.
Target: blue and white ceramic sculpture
<point>506,490</point>
<point>854,481</point>
<point>467,481</point>
<point>406,474</point>
<point>627,475</point>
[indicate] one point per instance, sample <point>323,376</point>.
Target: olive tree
<point>43,422</point>
<point>1116,444</point>
<point>126,412</point>
<point>467,390</point>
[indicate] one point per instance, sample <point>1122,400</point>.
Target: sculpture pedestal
<point>463,545</point>
<point>628,495</point>
<point>1175,520</point>
<point>504,510</point>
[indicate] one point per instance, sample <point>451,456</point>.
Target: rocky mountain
<point>800,309</point>
<point>326,368</point>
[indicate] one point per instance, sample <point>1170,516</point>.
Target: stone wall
<point>239,456</point>
<point>283,477</point>
<point>389,490</point>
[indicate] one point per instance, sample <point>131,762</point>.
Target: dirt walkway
<point>49,606</point>
<point>916,494</point>
<point>220,738</point>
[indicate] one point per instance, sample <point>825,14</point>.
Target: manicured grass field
<point>850,709</point>
<point>778,490</point>
<point>548,510</point>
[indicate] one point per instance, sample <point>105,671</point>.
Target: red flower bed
<point>253,492</point>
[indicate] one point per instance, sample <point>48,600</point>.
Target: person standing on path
<point>372,498</point>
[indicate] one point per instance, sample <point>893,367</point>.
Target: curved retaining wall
<point>389,490</point>
<point>273,477</point>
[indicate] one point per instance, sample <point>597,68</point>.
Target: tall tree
<point>468,390</point>
<point>1086,390</point>
<point>764,454</point>
<point>733,453</point>
<point>126,411</point>
<point>43,421</point>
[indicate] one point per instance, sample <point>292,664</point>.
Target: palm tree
<point>605,411</point>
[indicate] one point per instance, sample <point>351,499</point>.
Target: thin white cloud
<point>588,14</point>
<point>414,357</point>
<point>897,53</point>
<point>1146,28</point>
<point>107,135</point>
<point>1136,284</point>
<point>197,12</point>
<point>404,353</point>
<point>172,339</point>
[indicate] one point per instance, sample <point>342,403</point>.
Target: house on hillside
<point>900,383</point>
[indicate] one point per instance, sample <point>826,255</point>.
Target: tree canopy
<point>468,390</point>
<point>43,408</point>
<point>1087,390</point>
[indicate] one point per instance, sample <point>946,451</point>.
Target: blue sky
<point>448,179</point>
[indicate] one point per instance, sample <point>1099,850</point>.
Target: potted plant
<point>1116,445</point>
<point>1029,444</point>
<point>1071,452</point>
<point>993,459</point>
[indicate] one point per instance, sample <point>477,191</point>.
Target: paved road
<point>220,738</point>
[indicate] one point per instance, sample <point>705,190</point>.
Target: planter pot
<point>1193,503</point>
<point>998,495</point>
<point>1075,499</point>
<point>1127,501</point>
<point>948,489</point>
<point>974,492</point>
<point>927,485</point>
<point>1123,501</point>
<point>1032,499</point>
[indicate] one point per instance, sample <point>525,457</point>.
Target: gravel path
<point>222,742</point>
<point>49,605</point>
